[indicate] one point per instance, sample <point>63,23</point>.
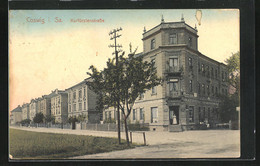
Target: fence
<point>99,127</point>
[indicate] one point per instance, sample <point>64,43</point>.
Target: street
<point>187,144</point>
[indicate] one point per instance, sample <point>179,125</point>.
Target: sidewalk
<point>187,144</point>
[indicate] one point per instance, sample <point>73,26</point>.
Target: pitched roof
<point>17,109</point>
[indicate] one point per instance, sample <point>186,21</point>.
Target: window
<point>106,115</point>
<point>198,88</point>
<point>69,108</point>
<point>203,89</point>
<point>152,44</point>
<point>216,73</point>
<point>141,114</point>
<point>173,86</point>
<point>216,91</point>
<point>212,90</point>
<point>154,115</point>
<point>191,114</point>
<point>199,67</point>
<point>173,62</point>
<point>200,116</point>
<point>226,92</point>
<point>84,105</point>
<point>74,95</point>
<point>204,114</point>
<point>109,115</point>
<point>173,38</point>
<point>190,85</point>
<point>226,77</point>
<point>74,107</point>
<point>202,68</point>
<point>80,93</point>
<point>154,62</point>
<point>208,112</point>
<point>208,90</point>
<point>134,114</point>
<point>212,72</point>
<point>222,74</point>
<point>80,106</point>
<point>190,41</point>
<point>141,96</point>
<point>154,90</point>
<point>208,72</point>
<point>190,62</point>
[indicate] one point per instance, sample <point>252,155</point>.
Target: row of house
<point>61,104</point>
<point>187,98</point>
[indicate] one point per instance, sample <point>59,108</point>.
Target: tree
<point>49,118</point>
<point>25,121</point>
<point>229,103</point>
<point>81,117</point>
<point>73,119</point>
<point>233,67</point>
<point>38,118</point>
<point>227,107</point>
<point>134,77</point>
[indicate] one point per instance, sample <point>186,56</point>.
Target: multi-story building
<point>82,101</point>
<point>192,82</point>
<point>16,115</point>
<point>59,106</point>
<point>25,111</point>
<point>45,104</point>
<point>33,108</point>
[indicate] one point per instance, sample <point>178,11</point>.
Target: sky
<point>48,51</point>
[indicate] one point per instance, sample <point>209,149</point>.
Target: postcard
<point>124,84</point>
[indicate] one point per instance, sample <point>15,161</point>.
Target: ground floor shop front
<point>177,114</point>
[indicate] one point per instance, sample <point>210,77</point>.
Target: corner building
<point>188,98</point>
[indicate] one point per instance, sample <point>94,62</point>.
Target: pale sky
<point>50,55</point>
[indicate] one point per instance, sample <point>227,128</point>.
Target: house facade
<point>25,111</point>
<point>82,101</point>
<point>16,115</point>
<point>33,108</point>
<point>59,106</point>
<point>188,97</point>
<point>45,104</point>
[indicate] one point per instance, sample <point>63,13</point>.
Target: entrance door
<point>174,115</point>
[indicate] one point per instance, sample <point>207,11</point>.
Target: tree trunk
<point>126,131</point>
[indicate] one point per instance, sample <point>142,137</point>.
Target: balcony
<point>174,94</point>
<point>173,70</point>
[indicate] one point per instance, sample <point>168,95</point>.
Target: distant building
<point>188,97</point>
<point>16,115</point>
<point>82,101</point>
<point>33,109</point>
<point>45,104</point>
<point>59,106</point>
<point>25,111</point>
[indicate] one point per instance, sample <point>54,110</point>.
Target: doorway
<point>174,115</point>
